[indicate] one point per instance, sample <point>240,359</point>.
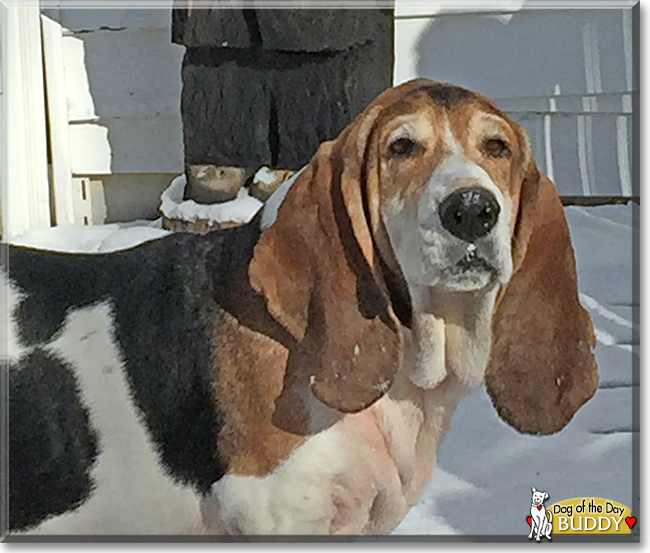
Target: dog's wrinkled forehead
<point>436,121</point>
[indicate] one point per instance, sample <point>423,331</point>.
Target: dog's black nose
<point>469,213</point>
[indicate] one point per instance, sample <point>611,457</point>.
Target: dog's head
<point>452,171</point>
<point>539,498</point>
<point>431,187</point>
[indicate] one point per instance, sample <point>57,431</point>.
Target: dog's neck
<point>451,334</point>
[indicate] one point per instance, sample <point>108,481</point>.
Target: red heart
<point>631,521</point>
<point>539,508</point>
<point>529,520</point>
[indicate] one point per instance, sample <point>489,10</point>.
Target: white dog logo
<point>537,518</point>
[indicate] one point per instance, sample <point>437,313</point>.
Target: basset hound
<point>297,375</point>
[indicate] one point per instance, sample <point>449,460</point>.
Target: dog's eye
<point>496,147</point>
<point>403,147</point>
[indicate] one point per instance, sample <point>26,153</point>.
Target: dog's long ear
<point>319,271</point>
<point>541,367</point>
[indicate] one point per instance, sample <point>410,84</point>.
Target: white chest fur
<point>361,475</point>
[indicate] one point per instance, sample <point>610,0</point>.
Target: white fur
<point>299,496</point>
<point>429,365</point>
<point>427,253</point>
<point>439,348</point>
<point>10,298</point>
<point>451,142</point>
<point>361,475</point>
<point>132,495</point>
<point>469,361</point>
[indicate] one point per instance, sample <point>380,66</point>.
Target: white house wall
<point>123,88</point>
<point>566,76</point>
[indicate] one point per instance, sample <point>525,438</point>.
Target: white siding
<point>123,88</point>
<point>565,75</point>
<point>63,196</point>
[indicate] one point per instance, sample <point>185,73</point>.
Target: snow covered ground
<point>91,239</point>
<point>485,471</point>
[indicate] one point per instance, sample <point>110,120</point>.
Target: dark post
<point>264,87</point>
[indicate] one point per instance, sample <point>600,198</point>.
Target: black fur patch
<point>164,314</point>
<point>54,283</point>
<point>52,445</point>
<point>161,293</point>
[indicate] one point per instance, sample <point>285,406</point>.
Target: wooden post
<point>254,86</point>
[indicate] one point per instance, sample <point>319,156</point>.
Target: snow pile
<point>120,236</point>
<point>265,176</point>
<point>91,239</point>
<point>240,210</point>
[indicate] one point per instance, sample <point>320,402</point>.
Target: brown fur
<point>317,268</point>
<point>252,357</point>
<point>542,368</point>
<point>323,305</point>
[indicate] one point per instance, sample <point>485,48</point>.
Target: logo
<point>540,524</point>
<point>580,515</point>
<point>592,515</point>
